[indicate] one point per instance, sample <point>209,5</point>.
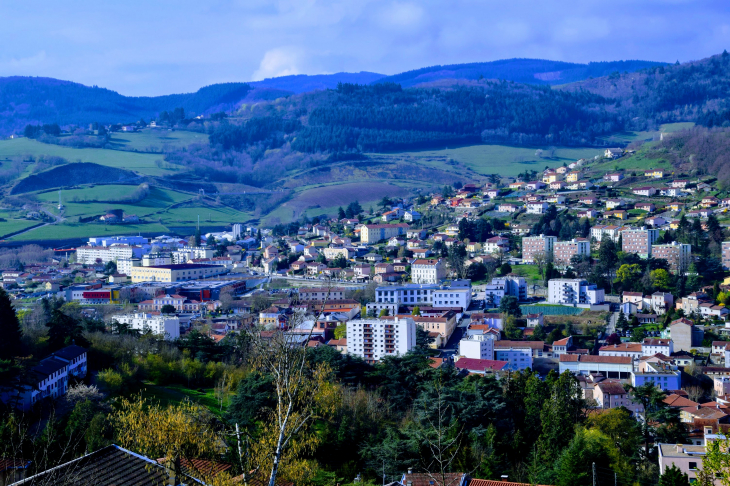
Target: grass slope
<point>142,163</point>
<point>496,159</point>
<point>154,140</point>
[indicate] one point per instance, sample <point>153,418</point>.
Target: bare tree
<point>540,260</point>
<point>441,436</point>
<point>304,392</point>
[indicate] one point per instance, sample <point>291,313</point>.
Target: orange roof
<point>489,482</point>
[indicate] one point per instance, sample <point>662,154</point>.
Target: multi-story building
<point>125,265</point>
<point>187,253</point>
<point>443,324</point>
<point>321,294</point>
<point>373,339</point>
<point>659,375</point>
<point>568,291</point>
<point>726,255</point>
<point>428,271</point>
<point>175,273</point>
<point>685,335</point>
<point>162,324</point>
<point>373,233</point>
<point>477,346</point>
<point>601,231</point>
<point>678,255</point>
<point>48,379</point>
<point>517,353</point>
<point>537,245</point>
<point>652,346</point>
<point>639,241</point>
<point>564,251</point>
<point>507,285</point>
<point>90,255</point>
<point>457,294</point>
<point>618,367</point>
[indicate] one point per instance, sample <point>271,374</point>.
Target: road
<point>452,346</point>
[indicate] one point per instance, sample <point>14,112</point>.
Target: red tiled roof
<point>489,482</point>
<point>480,364</point>
<point>566,358</point>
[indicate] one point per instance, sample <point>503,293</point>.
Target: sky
<point>155,47</point>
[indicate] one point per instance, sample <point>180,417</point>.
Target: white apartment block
<point>373,339</point>
<point>458,294</point>
<point>534,245</point>
<point>478,346</point>
<point>166,325</point>
<point>569,291</point>
<point>652,346</point>
<point>508,285</point>
<point>125,265</point>
<point>91,255</point>
<point>428,271</point>
<point>601,231</point>
<point>187,253</point>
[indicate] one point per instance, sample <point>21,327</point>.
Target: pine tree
<point>9,328</point>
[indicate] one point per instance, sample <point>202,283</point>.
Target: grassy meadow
<point>497,159</point>
<point>155,139</point>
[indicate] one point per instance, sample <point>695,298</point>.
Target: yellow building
<point>549,177</point>
<point>175,273</point>
<point>573,176</point>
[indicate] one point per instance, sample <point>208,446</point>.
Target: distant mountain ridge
<point>528,71</point>
<point>38,100</point>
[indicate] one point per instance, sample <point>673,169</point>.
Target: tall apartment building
<point>90,255</point>
<point>373,233</point>
<point>428,271</point>
<point>508,285</point>
<point>187,253</point>
<point>678,255</point>
<point>726,255</point>
<point>639,241</point>
<point>534,245</point>
<point>163,324</point>
<point>373,339</point>
<point>564,251</point>
<point>568,291</point>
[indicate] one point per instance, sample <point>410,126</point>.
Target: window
<point>692,466</point>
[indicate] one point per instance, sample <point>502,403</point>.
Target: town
<point>618,279</point>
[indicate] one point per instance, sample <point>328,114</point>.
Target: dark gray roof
<point>70,352</point>
<point>48,366</point>
<point>111,465</point>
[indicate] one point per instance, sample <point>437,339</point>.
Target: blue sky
<point>158,47</point>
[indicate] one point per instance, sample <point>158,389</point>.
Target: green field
<point>326,199</point>
<point>142,163</point>
<point>498,159</point>
<point>155,211</point>
<point>155,139</point>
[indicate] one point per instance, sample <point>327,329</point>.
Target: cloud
<point>282,61</point>
<point>23,64</point>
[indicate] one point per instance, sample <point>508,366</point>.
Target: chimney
<point>410,471</point>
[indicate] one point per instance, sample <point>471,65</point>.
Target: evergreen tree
<point>673,476</point>
<point>9,328</point>
<point>196,238</point>
<point>64,331</point>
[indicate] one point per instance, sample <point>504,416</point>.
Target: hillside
<point>302,83</point>
<point>37,100</point>
<point>694,91</point>
<point>529,71</point>
<point>73,174</point>
<point>25,100</point>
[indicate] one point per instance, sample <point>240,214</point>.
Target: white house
<point>373,339</point>
<point>162,324</point>
<point>568,291</point>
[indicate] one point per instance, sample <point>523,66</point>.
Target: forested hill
<point>386,116</point>
<point>695,91</point>
<point>25,100</point>
<point>303,83</point>
<point>530,71</point>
